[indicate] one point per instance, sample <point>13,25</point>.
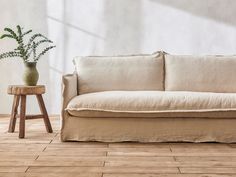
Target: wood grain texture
<point>44,112</point>
<point>168,175</point>
<point>42,154</point>
<point>20,93</point>
<point>25,90</point>
<point>22,116</point>
<point>15,105</point>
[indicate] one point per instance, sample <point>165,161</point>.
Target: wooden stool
<point>20,93</point>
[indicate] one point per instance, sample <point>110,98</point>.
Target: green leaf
<point>27,32</point>
<point>6,36</point>
<point>20,36</point>
<point>11,32</point>
<point>34,50</point>
<point>42,41</point>
<point>35,36</point>
<point>10,54</point>
<point>19,30</point>
<point>29,45</point>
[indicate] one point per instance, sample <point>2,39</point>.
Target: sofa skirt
<point>149,129</point>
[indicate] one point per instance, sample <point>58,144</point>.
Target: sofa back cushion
<point>200,73</point>
<point>141,72</point>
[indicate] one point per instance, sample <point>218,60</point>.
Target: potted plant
<point>27,51</point>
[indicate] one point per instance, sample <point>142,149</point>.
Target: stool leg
<point>22,116</point>
<point>15,105</point>
<point>44,112</point>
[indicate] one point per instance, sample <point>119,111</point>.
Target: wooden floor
<point>41,154</point>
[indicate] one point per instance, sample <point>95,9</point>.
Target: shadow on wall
<point>123,24</point>
<point>218,10</point>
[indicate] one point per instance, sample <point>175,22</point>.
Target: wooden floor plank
<point>169,164</point>
<point>16,157</point>
<point>139,145</point>
<point>21,147</point>
<point>151,154</point>
<point>12,174</point>
<point>105,158</point>
<point>77,145</point>
<point>198,145</point>
<point>216,170</point>
<point>13,169</point>
<point>92,149</point>
<point>206,159</point>
<point>64,175</point>
<point>103,170</point>
<point>50,175</point>
<point>76,153</point>
<point>204,150</point>
<point>24,141</point>
<point>19,163</point>
<point>168,175</point>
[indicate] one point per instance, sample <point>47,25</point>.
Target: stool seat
<point>25,90</point>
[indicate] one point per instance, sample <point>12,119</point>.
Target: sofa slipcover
<point>148,129</point>
<point>120,73</point>
<point>187,98</point>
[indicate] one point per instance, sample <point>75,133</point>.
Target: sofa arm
<point>69,88</point>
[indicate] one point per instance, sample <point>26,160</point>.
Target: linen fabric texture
<point>152,104</point>
<point>150,98</point>
<point>138,72</point>
<point>200,73</point>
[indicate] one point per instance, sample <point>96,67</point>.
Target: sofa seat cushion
<point>153,104</point>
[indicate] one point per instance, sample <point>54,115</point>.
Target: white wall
<point>111,27</point>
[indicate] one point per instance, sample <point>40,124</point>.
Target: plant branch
<point>34,51</point>
<point>12,33</point>
<point>26,33</point>
<point>34,37</point>
<point>7,35</point>
<point>43,52</point>
<point>10,54</point>
<point>25,50</point>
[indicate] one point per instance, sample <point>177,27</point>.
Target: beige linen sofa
<point>150,98</point>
